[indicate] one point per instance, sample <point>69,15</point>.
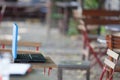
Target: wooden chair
<point>89,38</point>
<point>110,65</point>
<point>113,43</point>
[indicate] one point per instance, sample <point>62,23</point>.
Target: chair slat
<point>100,13</point>
<point>116,47</point>
<point>100,21</point>
<point>115,36</point>
<point>116,40</point>
<point>109,63</point>
<point>112,54</point>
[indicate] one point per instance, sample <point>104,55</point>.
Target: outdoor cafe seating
<point>111,66</point>
<point>89,22</point>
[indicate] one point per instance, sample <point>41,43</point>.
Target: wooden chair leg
<point>88,74</point>
<point>59,73</point>
<point>83,57</point>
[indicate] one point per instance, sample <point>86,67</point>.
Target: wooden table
<point>36,73</point>
<point>65,8</point>
<point>48,64</point>
<point>23,9</point>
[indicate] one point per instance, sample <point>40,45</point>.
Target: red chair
<point>113,43</point>
<point>94,50</point>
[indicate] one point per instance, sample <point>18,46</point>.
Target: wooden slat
<point>116,46</point>
<point>112,54</point>
<point>34,44</point>
<point>20,51</point>
<point>116,43</point>
<point>109,63</point>
<point>5,42</point>
<point>100,13</point>
<point>114,40</point>
<point>96,21</point>
<point>20,43</point>
<point>116,36</point>
<point>98,17</point>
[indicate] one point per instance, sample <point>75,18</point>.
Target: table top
<point>48,64</point>
<point>21,4</point>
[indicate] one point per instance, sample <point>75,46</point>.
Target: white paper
<point>19,69</point>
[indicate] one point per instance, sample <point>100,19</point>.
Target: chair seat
<point>74,65</point>
<point>92,36</point>
<point>98,47</point>
<point>96,44</point>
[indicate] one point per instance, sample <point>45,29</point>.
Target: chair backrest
<point>24,44</point>
<point>100,17</point>
<point>113,41</point>
<point>112,63</point>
